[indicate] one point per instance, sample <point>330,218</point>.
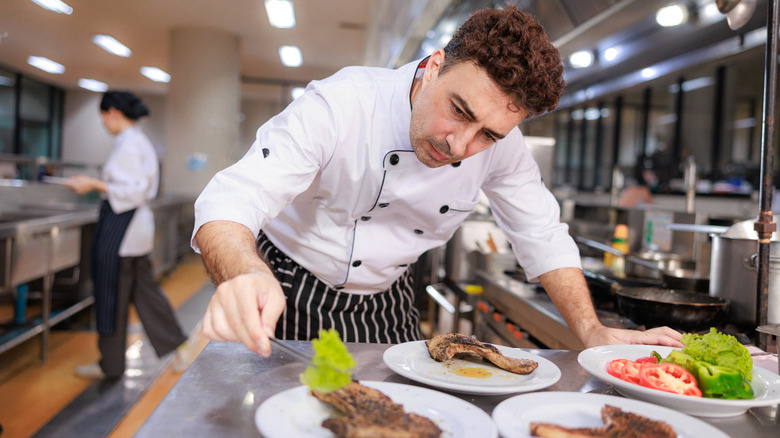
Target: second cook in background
<point>124,237</point>
<point>370,168</point>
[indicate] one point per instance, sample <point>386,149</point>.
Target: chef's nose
<point>459,142</point>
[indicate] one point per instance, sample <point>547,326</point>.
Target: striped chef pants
<point>384,317</point>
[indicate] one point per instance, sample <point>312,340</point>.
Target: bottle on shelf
<point>620,243</point>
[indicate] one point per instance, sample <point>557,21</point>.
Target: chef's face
<point>112,120</point>
<point>458,113</point>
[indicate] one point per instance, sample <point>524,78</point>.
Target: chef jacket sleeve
<point>283,161</point>
<point>527,212</point>
<point>127,178</point>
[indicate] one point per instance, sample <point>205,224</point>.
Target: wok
<point>683,310</point>
<point>603,283</point>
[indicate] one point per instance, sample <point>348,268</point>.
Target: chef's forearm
<point>569,292</point>
<point>228,250</point>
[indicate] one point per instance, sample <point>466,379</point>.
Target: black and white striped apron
<point>384,317</point>
<point>109,232</point>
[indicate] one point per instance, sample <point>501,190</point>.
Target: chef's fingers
<point>663,336</point>
<point>226,319</point>
<point>271,309</point>
<point>242,314</point>
<point>249,314</point>
<point>214,323</point>
<point>666,331</point>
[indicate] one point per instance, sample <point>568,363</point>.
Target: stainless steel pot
<point>733,275</point>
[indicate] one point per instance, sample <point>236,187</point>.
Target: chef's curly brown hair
<point>512,47</point>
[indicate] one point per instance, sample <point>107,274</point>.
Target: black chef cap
<point>126,102</point>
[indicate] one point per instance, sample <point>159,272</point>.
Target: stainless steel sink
<point>38,242</point>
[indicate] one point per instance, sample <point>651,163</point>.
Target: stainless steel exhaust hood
<point>597,25</point>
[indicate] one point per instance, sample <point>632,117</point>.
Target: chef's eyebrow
<point>466,110</point>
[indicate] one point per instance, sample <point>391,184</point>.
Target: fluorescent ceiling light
<point>581,59</point>
<point>111,45</point>
<point>648,73</point>
<point>673,15</point>
<point>592,114</point>
<point>610,54</point>
<point>93,85</point>
<point>54,5</point>
<point>280,13</point>
<point>297,92</point>
<point>46,64</point>
<point>155,74</point>
<point>291,56</point>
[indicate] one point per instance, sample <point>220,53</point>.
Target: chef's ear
<point>435,62</point>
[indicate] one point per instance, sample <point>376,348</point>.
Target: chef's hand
<point>82,184</point>
<point>655,336</point>
<point>245,309</point>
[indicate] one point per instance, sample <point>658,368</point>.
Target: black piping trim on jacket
<point>351,252</point>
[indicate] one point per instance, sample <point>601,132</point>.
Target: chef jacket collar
<point>401,113</point>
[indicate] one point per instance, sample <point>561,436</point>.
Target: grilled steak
<point>444,347</point>
<point>621,424</point>
<point>554,431</point>
<point>367,412</point>
<point>618,424</point>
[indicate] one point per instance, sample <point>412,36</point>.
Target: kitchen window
<point>30,122</point>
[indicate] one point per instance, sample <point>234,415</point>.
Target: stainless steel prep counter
<point>39,241</point>
<point>222,389</point>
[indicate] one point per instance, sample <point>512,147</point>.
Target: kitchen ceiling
<point>330,33</point>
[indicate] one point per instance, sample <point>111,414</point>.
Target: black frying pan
<point>687,279</point>
<point>682,310</point>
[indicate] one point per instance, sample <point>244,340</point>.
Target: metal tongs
<point>298,355</point>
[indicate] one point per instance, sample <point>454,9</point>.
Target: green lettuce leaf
<point>719,349</point>
<point>332,365</point>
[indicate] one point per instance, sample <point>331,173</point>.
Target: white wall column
<point>203,105</point>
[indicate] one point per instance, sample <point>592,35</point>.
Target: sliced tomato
<point>668,377</point>
<point>624,369</point>
<point>648,359</point>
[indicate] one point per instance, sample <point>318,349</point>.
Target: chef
<point>318,224</point>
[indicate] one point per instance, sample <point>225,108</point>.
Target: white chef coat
<point>132,177</point>
<point>334,183</point>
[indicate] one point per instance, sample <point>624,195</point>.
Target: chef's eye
<point>457,110</point>
<point>490,137</point>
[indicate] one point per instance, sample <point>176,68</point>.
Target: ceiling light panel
<point>291,56</point>
<point>581,59</point>
<point>673,15</point>
<point>93,85</point>
<point>46,64</point>
<point>297,92</point>
<point>54,5</point>
<point>111,45</point>
<point>280,13</point>
<point>155,74</point>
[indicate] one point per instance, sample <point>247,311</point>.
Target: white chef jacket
<point>132,177</point>
<point>334,183</point>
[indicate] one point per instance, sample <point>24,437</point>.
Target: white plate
<point>766,384</point>
<point>575,409</point>
<point>411,360</point>
<point>296,413</point>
